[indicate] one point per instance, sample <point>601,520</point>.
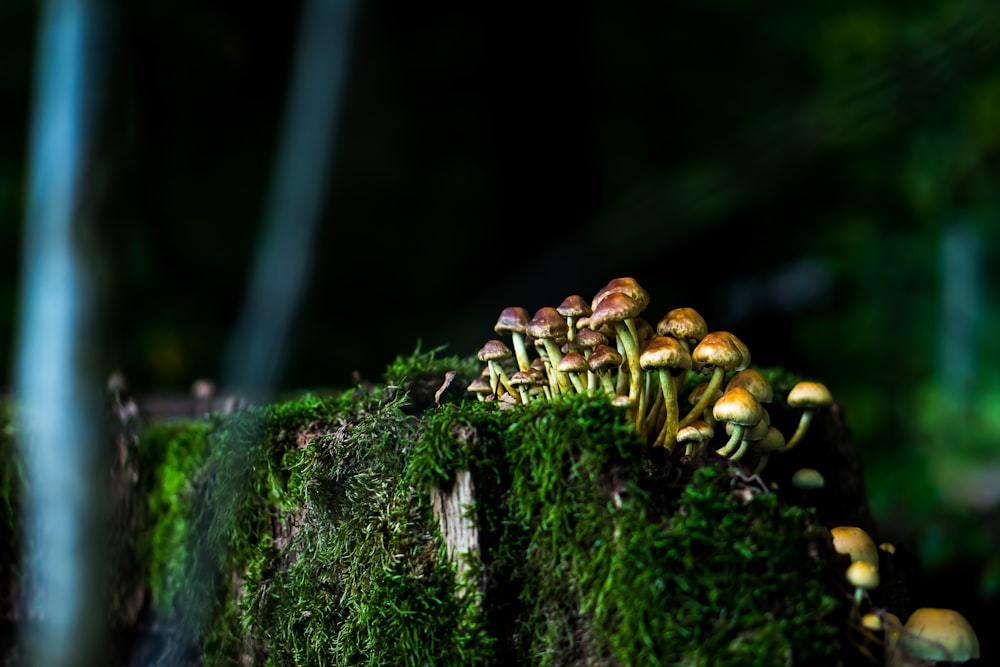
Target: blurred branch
<point>58,380</point>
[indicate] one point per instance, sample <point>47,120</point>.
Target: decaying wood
<point>453,509</point>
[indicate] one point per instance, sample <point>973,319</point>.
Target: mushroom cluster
<point>603,346</point>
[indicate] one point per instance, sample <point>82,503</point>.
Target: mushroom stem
<point>521,351</point>
<point>733,444</point>
<point>718,373</point>
<point>804,420</point>
<point>668,433</point>
<point>555,356</point>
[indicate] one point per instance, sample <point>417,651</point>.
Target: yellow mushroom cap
<point>809,395</point>
<point>872,621</point>
<point>717,349</point>
<point>863,574</point>
<point>698,432</point>
<point>738,406</point>
<point>856,543</point>
<point>664,352</point>
<point>939,634</point>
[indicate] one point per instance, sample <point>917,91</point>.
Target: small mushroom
<point>514,320</point>
<point>739,407</point>
<point>864,577</point>
<point>493,352</point>
<point>685,324</point>
<point>809,396</point>
<point>603,360</point>
<point>574,365</point>
<point>548,326</point>
<point>572,308</point>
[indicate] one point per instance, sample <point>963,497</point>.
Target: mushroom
<point>751,434</point>
<point>548,326</point>
<point>602,361</point>
<point>716,353</point>
<point>864,577</point>
<point>807,479</point>
<point>514,320</point>
<point>480,386</point>
<point>572,308</point>
<point>809,396</point>
<point>685,324</point>
<point>739,407</point>
<point>619,309</point>
<point>665,354</point>
<point>574,365</point>
<point>525,382</point>
<point>584,342</point>
<point>694,436</point>
<point>856,543</point>
<point>944,635</point>
<point>493,352</point>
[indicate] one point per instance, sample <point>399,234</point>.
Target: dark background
<point>818,178</point>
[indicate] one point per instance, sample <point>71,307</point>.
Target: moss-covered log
<point>304,532</point>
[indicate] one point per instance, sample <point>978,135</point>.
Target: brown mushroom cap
<point>547,323</point>
<point>511,319</point>
<point>574,306</point>
<point>939,634</point>
<point>753,381</point>
<point>615,307</point>
<point>604,357</point>
<point>626,285</point>
<point>494,350</point>
<point>682,323</point>
<point>480,385</point>
<point>587,339</point>
<point>573,362</point>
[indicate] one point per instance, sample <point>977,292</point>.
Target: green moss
<point>305,531</point>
